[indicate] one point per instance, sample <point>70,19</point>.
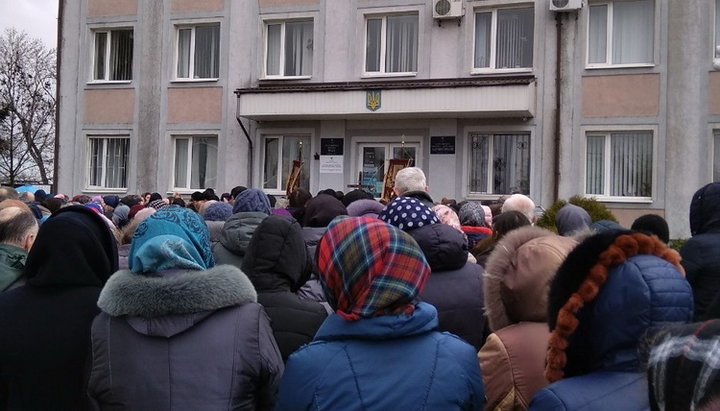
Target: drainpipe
<point>558,81</point>
<point>250,150</point>
<point>58,56</point>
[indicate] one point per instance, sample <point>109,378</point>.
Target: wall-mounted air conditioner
<point>565,5</point>
<point>448,9</point>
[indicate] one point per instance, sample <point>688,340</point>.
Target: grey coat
<point>184,340</point>
<point>235,237</point>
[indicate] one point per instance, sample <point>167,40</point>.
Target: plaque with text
<point>331,146</point>
<point>442,145</point>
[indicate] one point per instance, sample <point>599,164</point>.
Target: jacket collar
<point>423,319</point>
<point>181,292</point>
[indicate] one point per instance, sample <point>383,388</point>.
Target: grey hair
<point>410,179</point>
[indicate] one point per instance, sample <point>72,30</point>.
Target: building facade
<point>618,100</point>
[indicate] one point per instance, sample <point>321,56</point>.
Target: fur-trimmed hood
<point>178,292</point>
<point>518,275</point>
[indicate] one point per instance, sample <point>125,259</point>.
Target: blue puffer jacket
<point>603,369</point>
<point>381,363</point>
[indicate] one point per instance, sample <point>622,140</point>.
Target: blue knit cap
<point>408,213</point>
<point>252,199</point>
<point>218,211</point>
<point>173,237</point>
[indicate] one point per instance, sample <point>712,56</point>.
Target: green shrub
<point>677,243</point>
<point>598,211</point>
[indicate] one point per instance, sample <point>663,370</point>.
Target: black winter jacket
<point>278,264</point>
<point>455,286</point>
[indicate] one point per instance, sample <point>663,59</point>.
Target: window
<point>619,164</point>
<point>280,152</point>
<point>391,44</point>
<point>198,53</point>
<point>107,165</point>
<point>195,162</point>
<point>504,39</point>
<point>289,50</point>
<point>716,50</point>
<point>374,159</point>
<point>621,32</point>
<point>716,155</point>
<point>113,55</point>
<point>499,163</point>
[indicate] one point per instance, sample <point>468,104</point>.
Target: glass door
<point>373,161</point>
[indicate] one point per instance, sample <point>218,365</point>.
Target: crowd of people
<point>340,302</point>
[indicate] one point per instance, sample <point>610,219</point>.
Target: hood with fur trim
<point>518,275</point>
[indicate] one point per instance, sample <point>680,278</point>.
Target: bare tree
<point>27,108</point>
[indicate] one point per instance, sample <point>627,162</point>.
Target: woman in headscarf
<point>178,332</point>
<point>251,207</point>
<point>380,350</point>
<point>45,339</point>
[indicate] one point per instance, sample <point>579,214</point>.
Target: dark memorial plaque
<point>442,145</point>
<point>331,146</point>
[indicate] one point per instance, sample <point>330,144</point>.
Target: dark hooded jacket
<point>701,253</point>
<point>277,263</point>
<point>321,210</point>
<point>455,286</point>
<point>45,339</point>
<point>423,196</point>
<point>235,237</point>
<point>603,370</point>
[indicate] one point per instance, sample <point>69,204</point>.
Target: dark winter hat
<point>605,225</point>
<point>684,367</point>
<point>218,211</point>
<point>408,213</point>
<point>639,284</point>
<point>365,208</point>
<point>652,224</point>
<point>40,195</point>
<point>134,210</point>
<point>705,209</point>
<point>197,196</point>
<point>111,200</point>
<point>355,195</point>
<point>252,199</point>
<point>472,214</point>
<point>321,210</point>
<point>157,204</point>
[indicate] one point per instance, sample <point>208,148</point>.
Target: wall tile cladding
<point>195,105</point>
<point>636,95</point>
<point>714,93</point>
<point>100,8</point>
<point>109,106</point>
<point>196,5</point>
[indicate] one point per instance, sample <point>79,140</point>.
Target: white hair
<point>410,179</point>
<point>521,203</point>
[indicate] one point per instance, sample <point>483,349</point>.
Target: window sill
<point>484,196</point>
<point>285,78</point>
<point>618,66</point>
<point>621,200</point>
<point>103,190</point>
<point>195,80</point>
<point>380,75</point>
<point>475,72</point>
<point>108,83</point>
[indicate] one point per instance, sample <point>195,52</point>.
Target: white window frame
<point>281,134</point>
<point>609,38</point>
<point>106,76</point>
<point>191,69</point>
<point>88,153</point>
<point>269,22</point>
<point>714,142</point>
<point>716,30</point>
<point>190,136</point>
<point>607,130</point>
<point>493,42</point>
<point>383,44</point>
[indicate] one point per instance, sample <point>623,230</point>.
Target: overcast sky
<point>37,17</point>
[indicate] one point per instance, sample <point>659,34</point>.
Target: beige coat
<point>517,278</point>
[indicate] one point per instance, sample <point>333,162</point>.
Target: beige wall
<point>621,96</point>
<point>714,92</point>
<point>626,216</point>
<point>270,3</point>
<point>98,8</point>
<point>196,5</point>
<point>109,106</point>
<point>195,105</point>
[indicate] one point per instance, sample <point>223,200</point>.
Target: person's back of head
<point>8,193</point>
<point>705,209</point>
<point>572,219</point>
<point>521,203</point>
<point>298,198</point>
<point>18,227</point>
<point>682,368</point>
<point>508,221</point>
<point>235,191</point>
<point>410,179</point>
<point>652,224</point>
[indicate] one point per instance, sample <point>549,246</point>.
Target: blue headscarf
<point>173,237</point>
<point>252,199</point>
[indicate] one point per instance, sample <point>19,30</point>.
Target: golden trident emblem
<point>373,99</point>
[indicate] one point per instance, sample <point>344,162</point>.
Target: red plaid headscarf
<point>370,268</point>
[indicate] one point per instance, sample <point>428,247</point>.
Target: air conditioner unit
<point>448,9</point>
<point>565,5</point>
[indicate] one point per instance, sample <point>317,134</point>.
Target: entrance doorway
<point>373,161</point>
